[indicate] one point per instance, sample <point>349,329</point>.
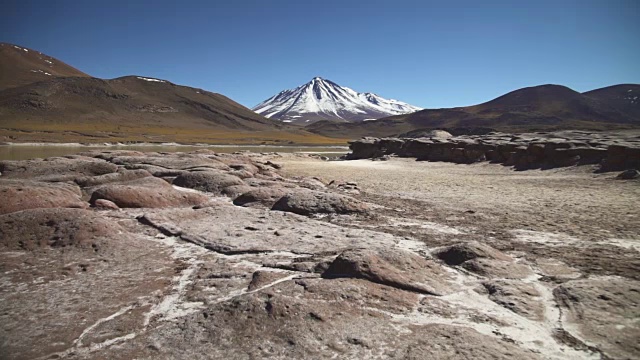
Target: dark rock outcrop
<point>613,151</point>
<point>629,174</point>
<point>483,260</point>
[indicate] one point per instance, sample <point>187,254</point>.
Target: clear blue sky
<point>427,53</point>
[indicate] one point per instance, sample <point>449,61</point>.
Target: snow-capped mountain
<point>321,99</point>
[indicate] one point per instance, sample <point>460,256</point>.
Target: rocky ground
<point>119,255</point>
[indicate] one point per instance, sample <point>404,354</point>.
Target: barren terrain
<point>122,254</point>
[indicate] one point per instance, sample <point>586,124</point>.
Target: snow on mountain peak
<point>322,99</point>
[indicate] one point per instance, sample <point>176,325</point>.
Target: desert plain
<point>126,254</point>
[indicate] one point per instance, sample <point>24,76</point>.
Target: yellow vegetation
<point>25,131</point>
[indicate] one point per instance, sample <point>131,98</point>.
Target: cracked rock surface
<point>124,254</point>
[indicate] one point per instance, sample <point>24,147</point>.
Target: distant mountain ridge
<point>44,99</point>
<point>322,99</point>
<point>537,108</point>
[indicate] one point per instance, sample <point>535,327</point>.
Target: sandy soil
<point>591,221</point>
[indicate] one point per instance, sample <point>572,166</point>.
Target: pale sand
<point>574,201</point>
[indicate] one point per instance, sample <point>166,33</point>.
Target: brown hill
<point>625,98</point>
<point>43,99</point>
<point>545,107</point>
<point>21,66</point>
<point>134,108</point>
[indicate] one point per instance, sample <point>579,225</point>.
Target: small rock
<point>629,174</point>
<point>103,204</point>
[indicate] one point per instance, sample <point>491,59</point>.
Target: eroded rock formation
<point>612,151</point>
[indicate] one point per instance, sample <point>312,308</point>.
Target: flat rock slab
<point>72,279</point>
<point>54,168</point>
<point>43,229</point>
<point>303,320</point>
<point>231,229</point>
<point>177,161</point>
<point>521,298</point>
<point>605,311</point>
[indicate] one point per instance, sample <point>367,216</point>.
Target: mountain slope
<point>62,104</point>
<point>137,108</point>
<point>321,99</point>
<point>624,97</point>
<point>21,66</point>
<point>533,108</point>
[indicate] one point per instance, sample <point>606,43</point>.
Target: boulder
<point>147,192</point>
<point>629,174</point>
<point>209,181</point>
<point>397,268</point>
<point>306,202</point>
<point>266,196</point>
<point>459,253</point>
<point>483,260</point>
<point>21,195</point>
